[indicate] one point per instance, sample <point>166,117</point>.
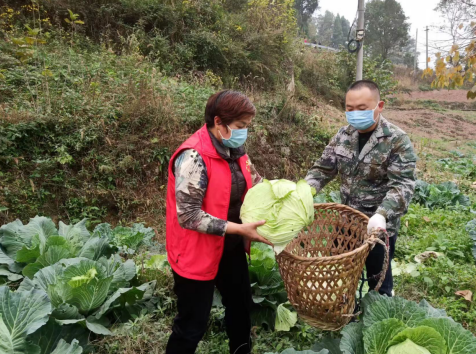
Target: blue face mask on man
<point>236,139</point>
<point>361,120</point>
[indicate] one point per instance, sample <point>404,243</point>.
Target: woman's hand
<point>248,231</point>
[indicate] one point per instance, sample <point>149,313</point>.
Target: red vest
<point>191,254</point>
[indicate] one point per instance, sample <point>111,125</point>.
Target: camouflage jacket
<point>381,179</point>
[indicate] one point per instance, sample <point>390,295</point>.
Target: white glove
<point>375,222</point>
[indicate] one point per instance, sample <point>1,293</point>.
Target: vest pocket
<point>182,246</point>
<point>345,160</point>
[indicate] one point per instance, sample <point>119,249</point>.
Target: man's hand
<point>376,222</point>
<point>248,231</point>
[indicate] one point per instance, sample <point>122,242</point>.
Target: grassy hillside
<point>90,135</point>
<point>88,121</point>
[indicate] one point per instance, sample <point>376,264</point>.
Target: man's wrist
<point>382,212</point>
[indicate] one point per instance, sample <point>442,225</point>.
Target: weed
<point>437,280</point>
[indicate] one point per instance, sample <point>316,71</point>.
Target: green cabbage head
<point>286,206</point>
<point>407,347</point>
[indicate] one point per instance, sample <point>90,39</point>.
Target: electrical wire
<point>353,23</point>
<point>352,41</point>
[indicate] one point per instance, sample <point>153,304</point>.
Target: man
<point>376,163</point>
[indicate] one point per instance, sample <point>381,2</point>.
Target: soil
<point>442,95</point>
<point>445,125</point>
<point>431,124</point>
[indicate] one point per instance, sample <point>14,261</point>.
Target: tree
<point>325,26</point>
<point>386,28</point>
<point>337,34</point>
<point>312,29</point>
<point>345,24</point>
<point>304,11</point>
<point>457,16</point>
<point>405,55</point>
<point>455,63</point>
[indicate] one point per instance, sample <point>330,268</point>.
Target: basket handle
<point>381,237</point>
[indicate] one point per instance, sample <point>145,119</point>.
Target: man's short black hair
<point>372,86</point>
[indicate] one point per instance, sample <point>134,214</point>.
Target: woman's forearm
<point>233,228</point>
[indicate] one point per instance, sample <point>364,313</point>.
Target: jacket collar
<point>382,130</point>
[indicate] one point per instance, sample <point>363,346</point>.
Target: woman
<point>209,176</point>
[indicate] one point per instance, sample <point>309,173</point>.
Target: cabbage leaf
<point>65,348</point>
<point>285,319</point>
<point>423,336</point>
<point>378,336</point>
<point>407,347</point>
<point>458,340</point>
<point>286,206</point>
<point>394,307</point>
<point>21,313</point>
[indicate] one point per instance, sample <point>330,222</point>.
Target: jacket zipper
<point>233,170</point>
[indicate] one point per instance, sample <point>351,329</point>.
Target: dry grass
<point>142,336</point>
<point>15,117</point>
<point>408,80</point>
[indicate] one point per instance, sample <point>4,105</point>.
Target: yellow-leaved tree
<point>455,64</point>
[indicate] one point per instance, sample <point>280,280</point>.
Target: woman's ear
<point>217,120</point>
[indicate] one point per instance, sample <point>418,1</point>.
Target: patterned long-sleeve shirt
<point>191,183</point>
<point>379,179</point>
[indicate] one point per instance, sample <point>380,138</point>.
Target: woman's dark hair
<point>229,106</point>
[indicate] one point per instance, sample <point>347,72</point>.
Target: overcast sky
<point>419,12</point>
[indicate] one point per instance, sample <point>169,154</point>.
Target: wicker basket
<point>321,268</point>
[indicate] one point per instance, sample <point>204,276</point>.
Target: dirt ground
<point>431,124</point>
<point>442,95</point>
<point>445,125</point>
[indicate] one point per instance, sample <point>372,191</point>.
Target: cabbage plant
<point>269,294</point>
<point>126,239</point>
<point>293,351</point>
<point>471,230</point>
<point>85,291</point>
<point>25,326</point>
<point>74,287</point>
<point>25,249</point>
<point>286,206</point>
<point>443,195</point>
<point>398,326</point>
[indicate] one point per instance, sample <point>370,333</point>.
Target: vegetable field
<point>70,284</point>
<point>106,288</point>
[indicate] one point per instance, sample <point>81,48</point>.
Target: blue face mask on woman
<point>236,139</point>
<point>361,120</point>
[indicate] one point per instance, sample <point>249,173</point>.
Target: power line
<point>415,54</point>
<point>427,47</point>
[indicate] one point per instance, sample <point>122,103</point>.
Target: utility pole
<point>415,55</point>
<point>426,47</point>
<point>360,34</point>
